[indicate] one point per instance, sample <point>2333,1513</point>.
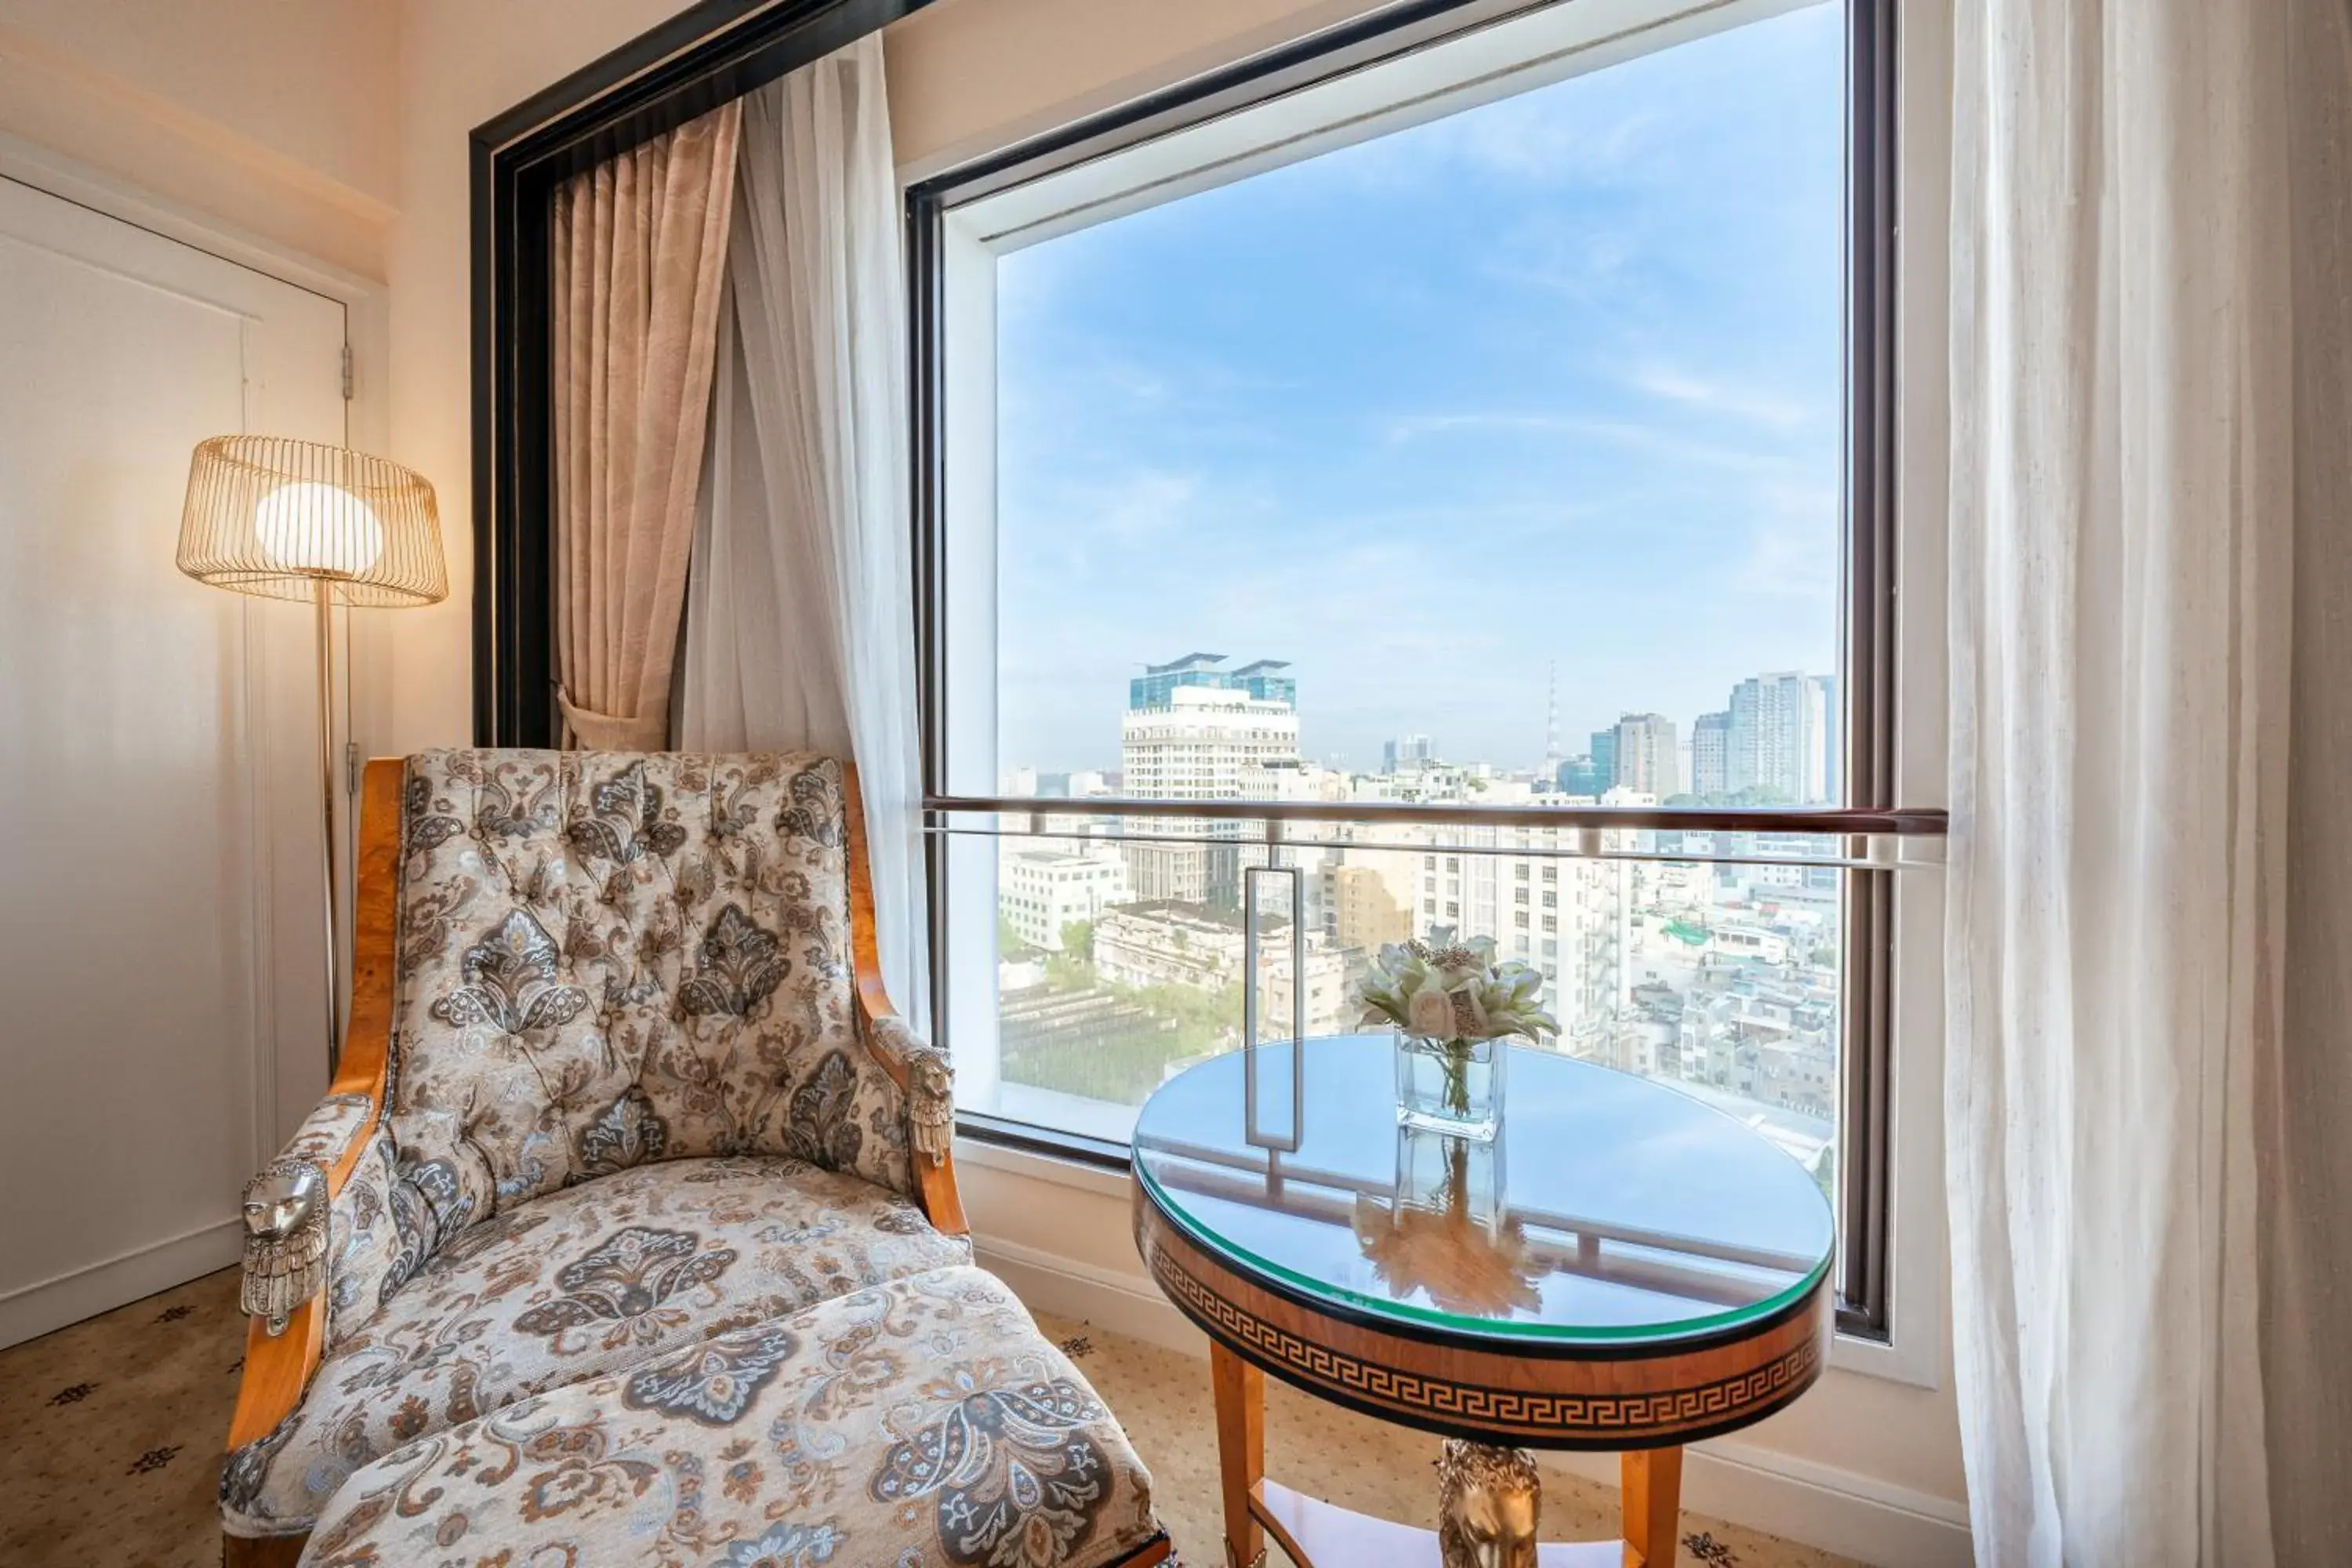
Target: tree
<point>1009,939</point>
<point>1078,940</point>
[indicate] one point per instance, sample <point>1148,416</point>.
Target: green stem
<point>1457,1078</point>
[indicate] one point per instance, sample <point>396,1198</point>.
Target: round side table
<point>1622,1268</point>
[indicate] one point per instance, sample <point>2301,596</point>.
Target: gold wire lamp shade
<point>281,518</point>
<point>296,520</point>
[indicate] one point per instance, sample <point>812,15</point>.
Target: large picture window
<point>1442,468</point>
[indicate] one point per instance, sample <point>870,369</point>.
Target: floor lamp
<point>296,519</point>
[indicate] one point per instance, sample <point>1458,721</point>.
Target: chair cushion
<point>609,959</point>
<point>922,1422</point>
<point>568,1286</point>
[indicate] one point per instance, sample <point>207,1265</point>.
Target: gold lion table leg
<point>1240,1391</point>
<point>1653,1495</point>
<point>1489,1506</point>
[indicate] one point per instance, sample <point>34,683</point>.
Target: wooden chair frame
<point>279,1367</point>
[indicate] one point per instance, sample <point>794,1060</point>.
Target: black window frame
<point>1867,674</point>
<point>711,53</point>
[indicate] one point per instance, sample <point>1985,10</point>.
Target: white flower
<point>1470,1012</point>
<point>1469,998</point>
<point>1430,1012</point>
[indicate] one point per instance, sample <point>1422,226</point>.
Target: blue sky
<point>1553,379</point>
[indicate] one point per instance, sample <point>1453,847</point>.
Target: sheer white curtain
<point>2149,1014</point>
<point>799,619</point>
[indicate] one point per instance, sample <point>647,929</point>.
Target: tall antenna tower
<point>1552,758</point>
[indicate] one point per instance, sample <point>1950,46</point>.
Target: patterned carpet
<point>111,1429</point>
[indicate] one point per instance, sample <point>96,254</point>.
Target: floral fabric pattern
<point>623,1288</point>
<point>1014,1467</point>
<point>713,1383</point>
<point>921,1421</point>
<point>591,1280</point>
<point>362,1238</point>
<point>606,959</point>
<point>327,1132</point>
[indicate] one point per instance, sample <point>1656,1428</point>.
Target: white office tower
<point>1648,760</point>
<point>1190,732</point>
<point>1779,738</point>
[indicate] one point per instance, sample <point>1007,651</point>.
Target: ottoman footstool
<point>922,1422</point>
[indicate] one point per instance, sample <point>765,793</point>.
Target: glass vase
<point>1447,1174</point>
<point>1453,1087</point>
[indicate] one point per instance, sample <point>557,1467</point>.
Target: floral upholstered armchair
<point>620,1077</point>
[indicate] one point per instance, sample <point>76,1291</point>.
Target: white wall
<point>166,984</point>
<point>276,116</point>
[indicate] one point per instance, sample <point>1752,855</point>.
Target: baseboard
<point>31,1311</point>
<point>1837,1510</point>
<point>1853,1515</point>
<point>1124,1303</point>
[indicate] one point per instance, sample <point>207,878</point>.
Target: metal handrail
<point>1898,822</point>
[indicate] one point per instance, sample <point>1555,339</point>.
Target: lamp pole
<point>324,591</point>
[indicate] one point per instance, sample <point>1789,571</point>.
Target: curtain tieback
<point>605,732</point>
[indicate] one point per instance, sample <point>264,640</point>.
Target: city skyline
<point>1776,730</point>
<point>1550,382</point>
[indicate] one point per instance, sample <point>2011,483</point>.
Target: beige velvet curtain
<point>640,256</point>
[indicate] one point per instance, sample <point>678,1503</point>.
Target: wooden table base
<point>1314,1532</point>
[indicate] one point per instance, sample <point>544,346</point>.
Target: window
<point>1512,409</point>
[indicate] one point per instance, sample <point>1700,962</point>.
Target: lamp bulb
<point>315,528</point>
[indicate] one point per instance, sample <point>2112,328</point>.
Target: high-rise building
<point>1582,776</point>
<point>1645,757</point>
<point>1406,753</point>
<point>1364,910</point>
<point>1832,752</point>
<point>1604,760</point>
<point>1565,915</point>
<point>1190,730</point>
<point>1779,738</point>
<point>1711,754</point>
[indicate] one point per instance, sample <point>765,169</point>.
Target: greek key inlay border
<point>1655,1412</point>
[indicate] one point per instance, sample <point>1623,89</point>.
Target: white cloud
<point>1548,136</point>
<point>1628,435</point>
<point>1754,405</point>
<point>1545,136</point>
<point>1791,561</point>
<point>1146,504</point>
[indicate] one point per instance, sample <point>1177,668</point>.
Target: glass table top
<point>1608,1209</point>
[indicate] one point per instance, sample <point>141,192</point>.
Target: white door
<point>162,1010</point>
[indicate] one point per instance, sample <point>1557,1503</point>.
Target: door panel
<point>160,953</point>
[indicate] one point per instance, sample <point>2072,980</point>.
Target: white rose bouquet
<point>1454,994</point>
